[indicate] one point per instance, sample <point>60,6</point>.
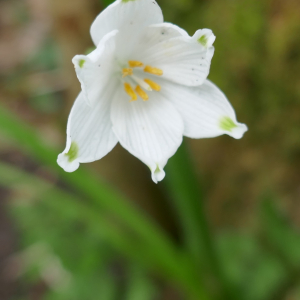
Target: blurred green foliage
<point>87,241</point>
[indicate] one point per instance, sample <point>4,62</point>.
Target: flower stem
<point>187,198</point>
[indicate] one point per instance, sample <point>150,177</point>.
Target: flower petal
<point>183,59</point>
<point>89,132</point>
<point>205,110</point>
<point>205,37</point>
<point>127,16</point>
<point>150,130</point>
<point>94,71</point>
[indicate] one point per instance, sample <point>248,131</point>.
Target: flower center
<point>137,86</point>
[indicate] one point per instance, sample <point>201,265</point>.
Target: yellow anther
<point>129,90</point>
<point>153,85</point>
<point>127,71</point>
<point>135,63</point>
<point>141,93</point>
<point>154,71</point>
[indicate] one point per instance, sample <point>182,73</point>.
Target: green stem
<point>187,198</point>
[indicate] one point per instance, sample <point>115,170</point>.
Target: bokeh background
<point>107,232</point>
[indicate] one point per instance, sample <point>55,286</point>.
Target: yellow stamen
<point>126,72</point>
<point>154,71</point>
<point>141,93</point>
<point>135,63</point>
<point>153,85</point>
<point>130,91</point>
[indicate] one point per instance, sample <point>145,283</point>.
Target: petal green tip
<point>81,63</point>
<point>203,40</point>
<point>227,124</point>
<point>73,152</point>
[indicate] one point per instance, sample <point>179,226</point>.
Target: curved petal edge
<point>205,110</point>
<point>89,133</point>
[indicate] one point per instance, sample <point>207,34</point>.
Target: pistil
<point>140,85</point>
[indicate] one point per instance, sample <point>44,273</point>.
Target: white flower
<point>145,87</point>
